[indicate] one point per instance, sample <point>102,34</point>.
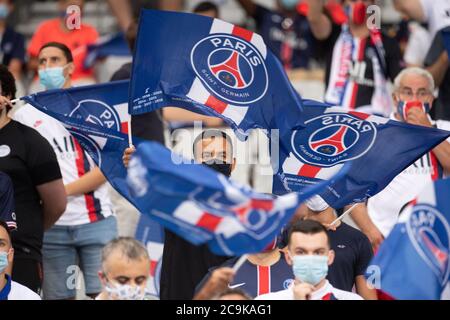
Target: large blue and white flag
<point>203,206</point>
<point>110,45</point>
<point>213,68</point>
<point>100,104</point>
<point>378,148</point>
<point>413,262</point>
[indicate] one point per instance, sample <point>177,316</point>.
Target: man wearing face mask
<point>413,95</point>
<point>285,31</point>
<point>70,30</point>
<point>10,290</point>
<point>310,255</point>
<point>125,270</point>
<point>183,264</point>
<point>359,58</point>
<point>89,221</point>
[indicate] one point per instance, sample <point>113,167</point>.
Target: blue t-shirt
<point>7,201</point>
<point>6,289</point>
<point>353,253</point>
<point>256,280</point>
<point>290,39</point>
<point>12,46</point>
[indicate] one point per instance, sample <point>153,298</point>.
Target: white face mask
<point>125,292</point>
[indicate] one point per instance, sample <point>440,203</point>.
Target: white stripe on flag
<point>327,173</point>
<point>220,26</point>
<point>188,212</point>
<point>292,165</point>
<point>235,113</point>
<point>122,110</point>
<point>229,227</point>
<point>198,92</point>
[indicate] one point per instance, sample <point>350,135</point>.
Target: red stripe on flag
<point>153,264</point>
<point>360,115</point>
<point>81,172</point>
<point>308,171</point>
<point>434,166</point>
<point>242,33</point>
<point>124,127</point>
<point>263,280</point>
<point>216,104</point>
<point>262,204</point>
<point>209,221</point>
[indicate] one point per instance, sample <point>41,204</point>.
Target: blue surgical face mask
<point>289,4</point>
<point>4,11</point>
<point>310,268</point>
<point>52,78</point>
<point>3,261</point>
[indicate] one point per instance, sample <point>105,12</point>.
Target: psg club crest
<point>230,68</point>
<point>333,138</point>
<point>429,233</point>
<point>99,113</point>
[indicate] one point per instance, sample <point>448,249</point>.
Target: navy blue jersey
<point>290,39</point>
<point>257,280</point>
<point>7,201</point>
<point>353,253</point>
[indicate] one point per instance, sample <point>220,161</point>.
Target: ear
<point>102,278</point>
<point>70,69</point>
<point>395,99</point>
<point>288,257</point>
<point>11,256</point>
<point>233,164</point>
<point>331,256</point>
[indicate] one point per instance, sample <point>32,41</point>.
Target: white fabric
<point>20,292</point>
<point>419,43</point>
<point>435,12</point>
<point>60,139</point>
<point>316,203</point>
<point>384,207</point>
<point>288,294</point>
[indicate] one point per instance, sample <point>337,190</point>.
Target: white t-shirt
<point>384,207</point>
<point>437,14</point>
<point>419,43</point>
<point>73,162</point>
<point>20,292</point>
<point>323,293</point>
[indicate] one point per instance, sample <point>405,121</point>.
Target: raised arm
<point>320,24</point>
<point>249,6</point>
<point>411,8</point>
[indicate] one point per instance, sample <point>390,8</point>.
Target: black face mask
<point>223,168</point>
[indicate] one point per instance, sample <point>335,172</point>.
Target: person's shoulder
<point>20,292</point>
<point>346,295</point>
<point>88,29</point>
<point>278,295</point>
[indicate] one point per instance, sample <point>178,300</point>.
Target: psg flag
<point>214,68</point>
<point>104,104</point>
<point>413,262</point>
<point>378,148</point>
<point>204,206</point>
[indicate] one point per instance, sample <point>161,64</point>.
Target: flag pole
<point>130,135</point>
<point>240,262</point>
<point>344,214</point>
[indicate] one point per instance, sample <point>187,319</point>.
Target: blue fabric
<point>7,289</point>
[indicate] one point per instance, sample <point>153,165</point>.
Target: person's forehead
<point>213,143</point>
<point>414,81</point>
<point>309,241</point>
<point>51,52</point>
<point>119,265</point>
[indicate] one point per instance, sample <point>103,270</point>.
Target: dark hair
<point>206,6</point>
<point>61,46</point>
<point>131,35</point>
<point>237,291</point>
<point>7,82</point>
<point>209,133</point>
<point>307,227</point>
<point>5,226</point>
